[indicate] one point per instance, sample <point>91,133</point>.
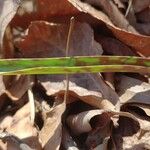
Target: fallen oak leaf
<point>117,18</point>
<point>54,46</point>
<point>48,10</point>
<point>123,35</point>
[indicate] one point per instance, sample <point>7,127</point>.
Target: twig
<point>67,52</point>
<point>129,6</point>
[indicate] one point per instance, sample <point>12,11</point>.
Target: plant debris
<point>106,110</point>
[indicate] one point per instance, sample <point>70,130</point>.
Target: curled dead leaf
<point>80,123</point>
<point>8,9</point>
<point>138,42</point>
<point>19,87</point>
<point>133,90</point>
<point>51,132</point>
<point>21,127</point>
<point>53,44</point>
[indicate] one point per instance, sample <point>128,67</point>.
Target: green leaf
<point>77,64</point>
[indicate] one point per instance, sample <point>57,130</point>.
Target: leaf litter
<point>102,111</point>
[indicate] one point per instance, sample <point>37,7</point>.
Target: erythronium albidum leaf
<point>72,65</point>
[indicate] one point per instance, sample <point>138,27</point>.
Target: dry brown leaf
<point>2,85</point>
<point>80,123</point>
<point>19,87</point>
<point>101,146</point>
<point>52,40</point>
<point>8,9</point>
<point>143,110</point>
<point>51,133</point>
<point>81,43</point>
<point>5,121</point>
<point>117,48</point>
<point>139,140</point>
<point>55,8</point>
<point>117,18</point>
<point>98,124</point>
<point>133,90</point>
<point>119,3</point>
<point>21,127</point>
<point>144,16</point>
<point>2,95</point>
<point>8,47</point>
<point>91,97</point>
<point>102,126</point>
<point>67,141</point>
<point>140,43</point>
<point>143,28</point>
<point>140,5</point>
<point>49,10</point>
<point>107,92</point>
<point>127,127</point>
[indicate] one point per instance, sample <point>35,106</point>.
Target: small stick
<point>129,6</point>
<point>67,52</point>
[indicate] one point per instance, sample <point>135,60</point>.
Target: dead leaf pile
<point>109,111</point>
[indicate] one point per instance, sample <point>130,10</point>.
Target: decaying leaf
<point>80,123</point>
<point>140,140</point>
<point>99,124</point>
<point>123,35</point>
<point>55,8</point>
<point>67,141</point>
<point>144,16</point>
<point>82,43</point>
<point>19,87</point>
<point>51,133</point>
<point>21,127</point>
<point>140,5</point>
<point>8,9</point>
<point>133,90</point>
<point>119,3</point>
<point>52,40</point>
<point>117,48</point>
<point>107,119</point>
<point>115,15</point>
